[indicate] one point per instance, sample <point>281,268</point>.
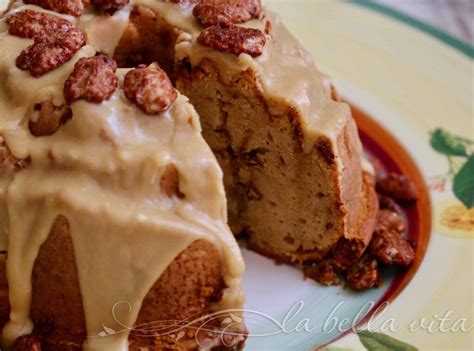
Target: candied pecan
<point>389,220</point>
<point>93,79</point>
<point>27,343</point>
<point>233,40</point>
<point>390,247</point>
<point>387,203</point>
<point>49,118</point>
<point>185,2</point>
<point>398,187</point>
<point>68,7</point>
<point>50,51</point>
<point>150,89</point>
<point>7,160</point>
<point>363,274</point>
<point>226,13</point>
<point>347,251</point>
<point>29,23</point>
<point>323,273</point>
<point>109,6</point>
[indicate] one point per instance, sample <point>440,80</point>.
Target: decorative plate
<point>416,84</point>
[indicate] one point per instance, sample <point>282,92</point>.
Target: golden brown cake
<point>290,151</point>
<point>111,199</point>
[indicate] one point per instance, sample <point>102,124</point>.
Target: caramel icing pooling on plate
<point>102,171</point>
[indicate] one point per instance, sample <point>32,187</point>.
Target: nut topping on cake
<point>68,7</point>
<point>49,118</point>
<point>387,203</point>
<point>93,80</point>
<point>109,6</point>
<point>50,51</point>
<point>390,247</point>
<point>150,89</point>
<point>185,2</point>
<point>226,13</point>
<point>398,187</point>
<point>363,274</point>
<point>389,220</point>
<point>27,343</point>
<point>234,40</point>
<point>8,161</point>
<point>29,24</point>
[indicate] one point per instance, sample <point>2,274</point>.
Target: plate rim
<point>459,45</point>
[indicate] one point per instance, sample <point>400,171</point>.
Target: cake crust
<point>188,287</point>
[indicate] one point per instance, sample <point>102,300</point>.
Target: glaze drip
<point>102,171</point>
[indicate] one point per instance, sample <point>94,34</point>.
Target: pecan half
<point>68,7</point>
<point>323,273</point>
<point>109,6</point>
<point>93,79</point>
<point>233,40</point>
<point>150,89</point>
<point>50,51</point>
<point>347,251</point>
<point>27,343</point>
<point>7,160</point>
<point>387,203</point>
<point>49,118</point>
<point>398,187</point>
<point>363,274</point>
<point>390,247</point>
<point>226,13</point>
<point>29,23</point>
<point>389,220</point>
<point>183,2</point>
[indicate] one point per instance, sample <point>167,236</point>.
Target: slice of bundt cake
<point>289,149</point>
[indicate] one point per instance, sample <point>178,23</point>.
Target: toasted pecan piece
<point>390,247</point>
<point>233,40</point>
<point>29,24</point>
<point>27,343</point>
<point>398,187</point>
<point>389,220</point>
<point>183,2</point>
<point>347,251</point>
<point>7,160</point>
<point>109,6</point>
<point>49,118</point>
<point>93,79</point>
<point>68,7</point>
<point>226,13</point>
<point>387,203</point>
<point>50,51</point>
<point>363,274</point>
<point>150,89</point>
<point>322,272</point>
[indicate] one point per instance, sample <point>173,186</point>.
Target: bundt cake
<point>113,210</point>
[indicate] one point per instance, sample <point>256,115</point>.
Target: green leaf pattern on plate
<point>463,185</point>
<point>381,342</point>
<point>462,172</point>
<point>447,144</point>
